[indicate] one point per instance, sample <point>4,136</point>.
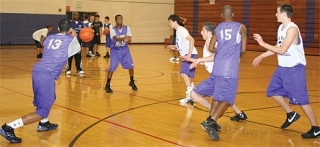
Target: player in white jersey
<point>38,37</point>
<point>207,32</point>
<point>185,46</point>
<point>289,79</point>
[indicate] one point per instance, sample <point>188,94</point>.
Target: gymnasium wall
<point>147,19</point>
<point>257,15</point>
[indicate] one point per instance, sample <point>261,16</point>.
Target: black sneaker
<point>8,133</point>
<point>239,117</point>
<point>97,54</point>
<point>291,117</point>
<point>106,56</point>
<point>134,87</point>
<point>213,134</point>
<point>108,89</point>
<point>39,56</point>
<point>47,126</point>
<point>314,132</point>
<point>210,123</point>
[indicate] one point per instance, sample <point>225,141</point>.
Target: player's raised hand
<point>258,38</point>
<point>256,61</point>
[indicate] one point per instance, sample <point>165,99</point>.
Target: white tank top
<point>295,53</point>
<point>206,53</point>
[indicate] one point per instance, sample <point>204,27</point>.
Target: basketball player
<point>223,82</point>
<point>97,27</point>
<point>207,32</point>
<point>57,48</point>
<point>185,46</point>
<point>289,79</point>
<point>38,37</point>
<point>119,52</point>
<point>107,25</point>
<point>87,45</point>
<point>91,52</point>
<point>175,52</point>
<point>76,25</point>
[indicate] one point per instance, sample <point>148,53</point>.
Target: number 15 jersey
<point>227,56</point>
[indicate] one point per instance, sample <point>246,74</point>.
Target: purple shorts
<point>43,85</point>
<point>108,41</point>
<point>222,89</point>
<point>185,67</point>
<point>120,56</point>
<point>290,82</point>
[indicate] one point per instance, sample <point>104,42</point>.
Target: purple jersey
<point>57,48</point>
<point>120,44</point>
<point>108,39</point>
<point>227,57</point>
<point>77,26</point>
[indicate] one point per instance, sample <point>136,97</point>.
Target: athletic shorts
<point>120,56</point>
<point>222,89</point>
<point>290,82</point>
<point>186,65</point>
<point>96,39</point>
<point>38,44</point>
<point>108,41</point>
<point>43,85</point>
<point>86,44</point>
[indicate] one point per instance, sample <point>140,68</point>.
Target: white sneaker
<point>80,72</point>
<point>174,59</point>
<point>68,72</point>
<point>186,100</point>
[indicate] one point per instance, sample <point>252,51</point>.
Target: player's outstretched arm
<point>291,34</point>
<point>171,47</point>
<point>258,59</point>
<point>196,62</point>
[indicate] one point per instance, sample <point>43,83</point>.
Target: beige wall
<point>146,18</point>
<point>33,6</point>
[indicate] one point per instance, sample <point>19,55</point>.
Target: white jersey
<point>182,43</point>
<point>295,53</point>
<point>37,34</point>
<point>206,53</point>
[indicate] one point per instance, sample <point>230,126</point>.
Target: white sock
<point>44,120</point>
<point>16,124</point>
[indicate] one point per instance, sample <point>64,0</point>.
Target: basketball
<point>106,31</point>
<point>86,34</point>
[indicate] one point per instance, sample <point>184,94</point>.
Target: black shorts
<point>96,39</point>
<point>86,44</point>
<point>38,44</point>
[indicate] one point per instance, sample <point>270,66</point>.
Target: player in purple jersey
<point>57,48</point>
<point>289,79</point>
<point>119,52</point>
<point>223,83</point>
<point>76,25</point>
<point>107,25</point>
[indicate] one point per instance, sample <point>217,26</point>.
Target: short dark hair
<point>287,9</point>
<point>176,18</point>
<point>209,26</point>
<point>97,15</point>
<point>86,16</point>
<point>48,26</point>
<point>107,17</point>
<point>64,25</point>
<point>117,16</point>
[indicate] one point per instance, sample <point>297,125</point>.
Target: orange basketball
<point>86,34</point>
<point>106,31</point>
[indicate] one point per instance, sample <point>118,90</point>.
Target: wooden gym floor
<point>152,116</point>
